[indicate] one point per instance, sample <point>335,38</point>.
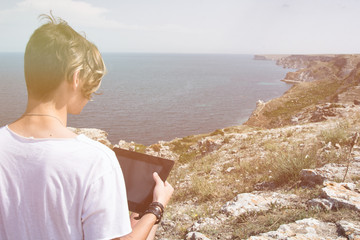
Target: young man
<point>55,184</point>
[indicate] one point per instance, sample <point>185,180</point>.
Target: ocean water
<point>151,97</point>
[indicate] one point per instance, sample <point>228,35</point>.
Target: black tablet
<point>138,171</point>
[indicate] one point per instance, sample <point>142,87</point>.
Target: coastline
<point>306,66</point>
<point>271,57</point>
<point>292,152</point>
<point>101,135</point>
<point>152,97</point>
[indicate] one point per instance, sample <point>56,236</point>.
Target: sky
<point>194,26</point>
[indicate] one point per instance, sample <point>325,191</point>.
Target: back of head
<point>54,53</point>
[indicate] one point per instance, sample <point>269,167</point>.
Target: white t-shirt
<point>60,189</point>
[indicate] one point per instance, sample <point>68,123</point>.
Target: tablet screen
<point>137,169</point>
<point>141,180</point>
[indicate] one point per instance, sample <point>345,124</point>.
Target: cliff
<point>291,172</point>
<point>302,61</point>
<point>310,68</point>
<point>325,80</point>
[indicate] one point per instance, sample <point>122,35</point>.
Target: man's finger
<point>157,178</point>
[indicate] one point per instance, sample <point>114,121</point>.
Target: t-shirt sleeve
<point>105,211</point>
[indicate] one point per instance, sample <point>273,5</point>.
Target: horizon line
<point>206,53</point>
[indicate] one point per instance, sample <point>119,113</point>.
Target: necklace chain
<point>43,115</point>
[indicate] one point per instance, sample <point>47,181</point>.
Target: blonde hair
<point>55,52</point>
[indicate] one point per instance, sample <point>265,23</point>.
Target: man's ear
<point>76,80</point>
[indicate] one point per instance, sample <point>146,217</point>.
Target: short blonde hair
<point>55,52</point>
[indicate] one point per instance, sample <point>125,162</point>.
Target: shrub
<point>140,148</point>
<point>303,95</point>
<point>156,147</point>
<point>187,157</point>
<point>180,148</point>
<point>202,189</point>
<point>217,132</point>
<point>286,166</point>
<point>338,134</point>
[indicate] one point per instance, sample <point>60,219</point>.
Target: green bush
<point>338,134</point>
<point>140,148</point>
<point>180,148</point>
<point>286,166</point>
<point>187,157</point>
<point>217,132</point>
<point>202,189</point>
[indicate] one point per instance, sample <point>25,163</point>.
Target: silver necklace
<point>43,115</point>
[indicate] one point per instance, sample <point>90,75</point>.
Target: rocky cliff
<point>291,172</point>
<point>302,61</point>
<point>310,68</point>
<point>327,84</point>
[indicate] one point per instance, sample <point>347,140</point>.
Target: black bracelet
<point>155,208</point>
<point>156,211</point>
<point>157,204</point>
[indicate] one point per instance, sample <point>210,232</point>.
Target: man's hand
<point>162,191</point>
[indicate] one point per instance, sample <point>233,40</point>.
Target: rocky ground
<point>291,172</point>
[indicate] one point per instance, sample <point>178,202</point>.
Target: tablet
<point>138,171</point>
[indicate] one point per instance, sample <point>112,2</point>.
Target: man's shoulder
<point>88,142</point>
<point>4,135</point>
<point>96,149</point>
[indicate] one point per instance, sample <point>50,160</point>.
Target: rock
<point>356,102</point>
<point>132,148</point>
<point>167,225</point>
<point>317,117</point>
<point>265,186</point>
<point>351,229</point>
<point>257,201</point>
<point>260,57</point>
<point>195,236</point>
<point>208,145</point>
<point>161,150</point>
<point>93,133</point>
<point>305,229</point>
<point>328,146</point>
<point>229,169</point>
<point>205,222</point>
<point>294,119</point>
<point>259,103</point>
<point>332,172</point>
<point>301,61</point>
<point>311,177</point>
<point>124,145</point>
<point>320,203</point>
<point>342,195</point>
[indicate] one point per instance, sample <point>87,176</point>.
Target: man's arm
<point>144,229</point>
<point>134,221</point>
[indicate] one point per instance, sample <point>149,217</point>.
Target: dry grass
<point>304,95</point>
<point>337,135</point>
<point>255,224</point>
<point>204,183</point>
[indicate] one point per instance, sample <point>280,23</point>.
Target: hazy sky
<point>194,26</point>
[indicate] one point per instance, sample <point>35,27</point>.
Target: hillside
<point>292,171</point>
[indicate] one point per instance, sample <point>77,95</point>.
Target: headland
<point>291,170</point>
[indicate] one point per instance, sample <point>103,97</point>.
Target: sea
<point>148,97</point>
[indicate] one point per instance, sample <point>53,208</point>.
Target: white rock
<point>307,229</point>
<point>93,133</point>
<point>342,195</point>
<point>351,229</point>
<point>320,203</point>
<point>257,201</point>
<point>229,169</point>
<point>195,236</point>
